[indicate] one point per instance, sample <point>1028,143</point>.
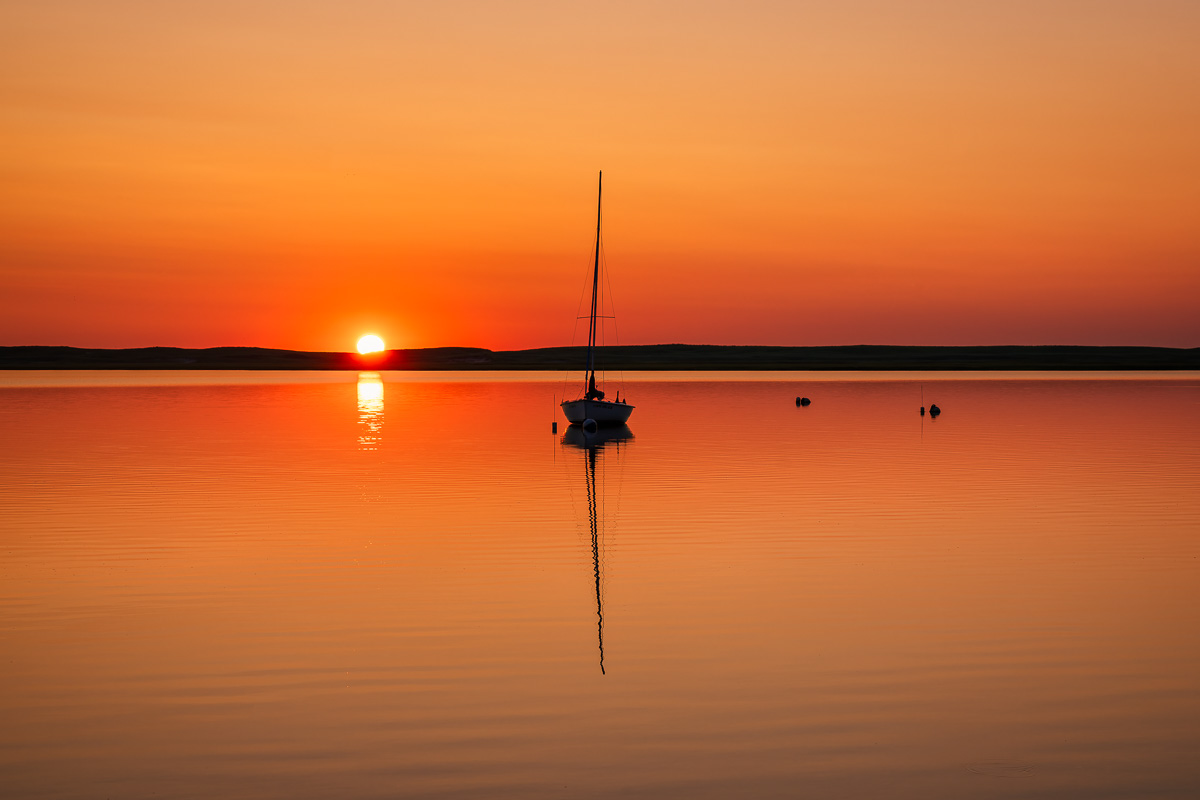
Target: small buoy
<point>798,399</point>
<point>554,427</point>
<point>589,426</point>
<point>934,410</point>
<point>922,411</point>
<point>805,401</point>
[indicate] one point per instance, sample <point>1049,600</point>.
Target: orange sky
<point>293,174</point>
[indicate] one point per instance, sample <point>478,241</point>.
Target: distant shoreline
<point>664,357</point>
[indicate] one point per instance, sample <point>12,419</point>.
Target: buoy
<point>589,426</point>
<point>934,410</point>
<point>798,399</point>
<point>554,427</point>
<point>805,401</point>
<point>922,411</point>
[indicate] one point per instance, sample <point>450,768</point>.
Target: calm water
<point>327,585</point>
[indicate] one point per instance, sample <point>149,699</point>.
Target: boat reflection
<point>370,410</point>
<point>576,436</point>
<point>600,518</point>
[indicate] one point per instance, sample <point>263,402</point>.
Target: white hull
<point>603,412</point>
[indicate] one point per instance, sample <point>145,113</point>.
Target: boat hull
<point>603,412</point>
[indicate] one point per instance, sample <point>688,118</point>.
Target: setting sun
<point>370,344</point>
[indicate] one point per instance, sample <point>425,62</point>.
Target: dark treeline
<point>638,357</point>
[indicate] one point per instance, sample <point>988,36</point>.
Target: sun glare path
<point>370,344</point>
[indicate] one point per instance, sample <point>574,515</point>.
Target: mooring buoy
<point>934,410</point>
<point>589,426</point>
<point>922,411</point>
<point>804,401</point>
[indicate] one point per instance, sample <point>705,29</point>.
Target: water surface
<point>321,584</point>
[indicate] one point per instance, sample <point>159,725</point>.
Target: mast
<point>590,377</point>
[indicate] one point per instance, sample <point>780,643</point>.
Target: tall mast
<point>590,378</point>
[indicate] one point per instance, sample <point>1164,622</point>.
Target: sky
<point>283,173</point>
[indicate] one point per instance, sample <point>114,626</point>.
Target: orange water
<point>321,585</point>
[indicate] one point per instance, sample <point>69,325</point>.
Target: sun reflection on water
<point>370,410</point>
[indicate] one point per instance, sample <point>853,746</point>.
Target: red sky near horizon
<point>295,174</point>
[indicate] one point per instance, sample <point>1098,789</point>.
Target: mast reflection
<point>370,410</point>
<point>593,445</point>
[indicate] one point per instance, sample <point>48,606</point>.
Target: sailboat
<point>591,408</point>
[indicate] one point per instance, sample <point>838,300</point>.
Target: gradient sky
<point>294,174</point>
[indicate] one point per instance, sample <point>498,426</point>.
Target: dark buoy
<point>554,427</point>
<point>922,411</point>
<point>934,410</point>
<point>803,401</point>
<point>589,426</point>
<point>798,399</point>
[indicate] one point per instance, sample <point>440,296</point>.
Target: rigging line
<point>575,327</point>
<point>603,278</point>
<point>606,300</point>
<point>597,291</point>
<point>590,375</point>
<point>613,307</point>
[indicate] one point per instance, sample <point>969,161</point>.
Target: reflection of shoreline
<point>370,410</point>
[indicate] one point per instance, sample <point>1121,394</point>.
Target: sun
<point>370,344</point>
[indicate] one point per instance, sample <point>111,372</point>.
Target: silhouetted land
<point>639,357</point>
